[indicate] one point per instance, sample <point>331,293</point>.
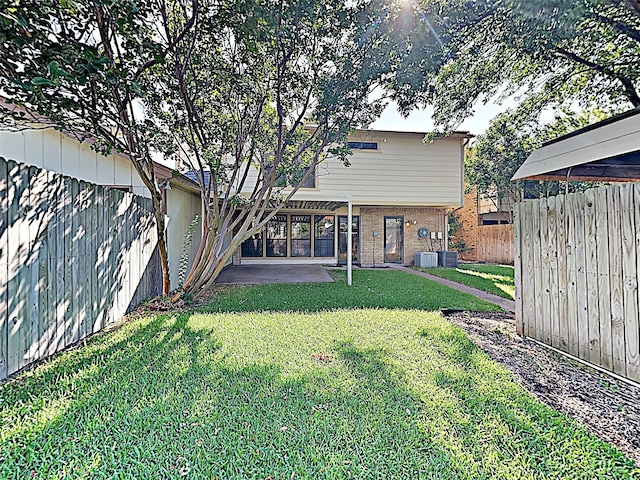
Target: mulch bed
<point>606,407</point>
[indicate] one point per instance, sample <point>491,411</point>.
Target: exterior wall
<point>469,231</point>
<point>182,208</point>
<point>47,148</point>
<point>372,218</point>
<point>55,151</point>
<point>403,171</point>
<point>238,259</point>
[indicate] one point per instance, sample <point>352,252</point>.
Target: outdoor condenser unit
<point>426,259</point>
<point>447,258</point>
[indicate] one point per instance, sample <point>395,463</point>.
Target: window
<point>277,236</point>
<point>324,234</point>
<point>300,235</point>
<point>363,145</point>
<point>310,182</point>
<point>293,236</point>
<point>252,246</point>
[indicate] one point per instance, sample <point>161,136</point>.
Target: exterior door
<point>393,239</point>
<point>342,239</point>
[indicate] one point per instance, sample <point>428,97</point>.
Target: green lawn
<point>371,288</point>
<point>496,279</point>
<point>289,391</point>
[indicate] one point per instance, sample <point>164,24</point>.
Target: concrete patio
<point>257,274</point>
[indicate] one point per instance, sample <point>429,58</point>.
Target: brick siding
<point>372,218</point>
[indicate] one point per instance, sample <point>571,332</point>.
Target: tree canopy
<point>545,52</point>
<point>229,87</point>
<point>502,149</point>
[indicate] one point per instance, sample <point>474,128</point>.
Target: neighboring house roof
<point>606,151</point>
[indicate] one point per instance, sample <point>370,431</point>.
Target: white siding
<point>403,171</point>
<point>182,207</point>
<point>52,150</point>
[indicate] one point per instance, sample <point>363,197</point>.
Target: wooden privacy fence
<point>495,244</point>
<point>74,257</point>
<point>577,263</point>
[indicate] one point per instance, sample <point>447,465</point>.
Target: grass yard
<point>283,389</point>
<point>496,279</point>
<point>370,289</point>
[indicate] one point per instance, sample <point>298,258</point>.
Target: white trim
<point>616,138</point>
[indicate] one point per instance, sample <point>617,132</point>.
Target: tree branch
<point>626,83</point>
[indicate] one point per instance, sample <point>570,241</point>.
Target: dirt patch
<point>606,407</point>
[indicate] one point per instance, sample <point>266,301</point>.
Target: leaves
<point>544,54</point>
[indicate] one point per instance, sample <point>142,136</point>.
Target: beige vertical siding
<point>182,208</point>
<point>50,149</point>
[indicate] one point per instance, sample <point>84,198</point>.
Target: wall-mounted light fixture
<point>408,223</point>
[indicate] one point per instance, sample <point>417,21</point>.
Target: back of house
<point>401,189</point>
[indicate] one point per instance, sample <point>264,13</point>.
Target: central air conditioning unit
<point>426,259</point>
<point>447,258</point>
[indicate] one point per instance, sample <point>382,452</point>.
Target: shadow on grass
<point>163,399</point>
<point>494,417</point>
<point>159,397</point>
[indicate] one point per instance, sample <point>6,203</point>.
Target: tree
<point>503,148</point>
<point>78,66</point>
<point>549,54</point>
<point>227,86</point>
<point>241,123</point>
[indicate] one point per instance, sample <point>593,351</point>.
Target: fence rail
<point>495,244</point>
<point>577,272</point>
<point>74,257</point>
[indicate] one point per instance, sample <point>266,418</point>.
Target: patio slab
<point>258,274</point>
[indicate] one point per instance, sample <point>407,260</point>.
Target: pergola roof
<point>607,151</point>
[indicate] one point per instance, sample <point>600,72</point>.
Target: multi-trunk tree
<point>253,96</point>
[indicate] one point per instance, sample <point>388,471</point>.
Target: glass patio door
<point>342,239</point>
<point>393,238</point>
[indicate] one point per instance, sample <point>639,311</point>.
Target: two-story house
<point>401,190</point>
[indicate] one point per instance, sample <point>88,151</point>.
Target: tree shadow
<point>74,258</point>
<point>163,393</point>
<point>488,414</point>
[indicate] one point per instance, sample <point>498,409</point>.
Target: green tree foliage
<point>502,149</point>
<point>228,87</point>
<point>78,66</point>
<point>548,53</point>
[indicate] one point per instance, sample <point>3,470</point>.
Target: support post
<point>349,243</point>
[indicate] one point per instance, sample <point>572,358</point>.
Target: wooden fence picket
<point>67,266</point>
<point>579,262</point>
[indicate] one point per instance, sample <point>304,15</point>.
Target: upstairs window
<point>310,182</point>
<point>363,145</point>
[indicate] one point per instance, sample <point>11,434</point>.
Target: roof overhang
<point>608,151</point>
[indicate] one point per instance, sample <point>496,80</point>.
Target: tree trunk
<point>162,241</point>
